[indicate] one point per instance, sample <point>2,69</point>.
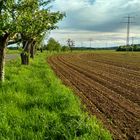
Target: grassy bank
<point>34,105</point>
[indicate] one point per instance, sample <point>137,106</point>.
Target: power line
<point>129,21</point>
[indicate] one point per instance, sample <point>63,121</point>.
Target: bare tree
<point>71,44</point>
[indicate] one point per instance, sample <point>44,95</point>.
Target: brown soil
<point>109,86</point>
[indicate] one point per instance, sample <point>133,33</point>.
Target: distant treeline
<point>58,47</point>
<point>54,45</point>
<point>88,48</point>
<point>129,48</point>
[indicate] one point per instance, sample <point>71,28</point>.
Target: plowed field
<point>108,84</point>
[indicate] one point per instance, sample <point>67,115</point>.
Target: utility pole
<point>132,41</point>
<point>90,40</point>
<point>129,21</point>
<point>132,44</point>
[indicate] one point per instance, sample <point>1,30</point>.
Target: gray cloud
<point>98,19</point>
<point>101,15</point>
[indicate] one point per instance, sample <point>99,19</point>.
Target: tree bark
<point>2,64</point>
<point>25,55</point>
<point>41,50</point>
<point>32,50</point>
<point>3,45</point>
<point>24,58</point>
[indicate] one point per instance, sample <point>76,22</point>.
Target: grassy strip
<point>8,51</point>
<point>35,105</point>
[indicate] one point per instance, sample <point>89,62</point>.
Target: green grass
<point>8,51</point>
<point>35,105</point>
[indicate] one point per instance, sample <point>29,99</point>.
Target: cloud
<point>102,16</point>
<point>99,15</point>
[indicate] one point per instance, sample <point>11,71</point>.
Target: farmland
<point>108,83</point>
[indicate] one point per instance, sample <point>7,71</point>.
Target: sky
<point>97,23</point>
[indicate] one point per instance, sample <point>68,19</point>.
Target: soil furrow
<point>104,83</point>
<point>64,75</point>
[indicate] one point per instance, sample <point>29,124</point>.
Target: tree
<point>27,18</point>
<point>37,44</point>
<point>70,44</point>
<point>7,29</point>
<point>53,45</point>
<point>65,48</point>
<point>34,21</point>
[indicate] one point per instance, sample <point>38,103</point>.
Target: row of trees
<point>25,21</point>
<point>129,48</point>
<point>54,45</point>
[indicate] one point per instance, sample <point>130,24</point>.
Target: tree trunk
<point>24,58</point>
<point>32,50</point>
<point>71,49</point>
<point>41,50</point>
<point>25,55</point>
<point>3,44</point>
<point>2,63</point>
